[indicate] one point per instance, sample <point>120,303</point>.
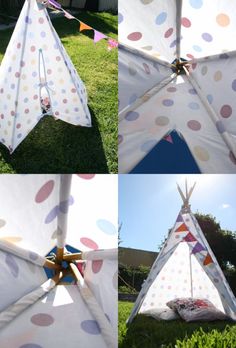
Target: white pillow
<point>161,314</point>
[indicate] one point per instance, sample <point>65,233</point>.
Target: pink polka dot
<point>73,90</point>
<point>18,125</point>
<point>97,265</point>
<point>86,176</point>
<point>18,45</point>
<point>168,33</point>
<point>41,20</point>
<point>190,56</point>
<point>26,111</point>
<point>35,97</point>
<point>226,111</point>
<point>58,58</point>
<point>32,48</point>
<point>171,89</point>
<point>44,191</point>
<point>12,113</point>
<point>49,71</point>
<point>64,101</point>
<point>135,36</point>
<point>42,319</point>
<point>185,22</point>
<point>194,125</point>
<point>17,74</point>
<point>89,243</point>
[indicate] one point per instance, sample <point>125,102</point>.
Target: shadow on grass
<point>150,333</point>
<point>58,147</point>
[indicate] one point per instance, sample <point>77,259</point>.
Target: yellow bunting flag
<point>84,26</point>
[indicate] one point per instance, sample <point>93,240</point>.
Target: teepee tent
<point>185,267</point>
<point>177,72</point>
<point>37,78</point>
<point>38,213</point>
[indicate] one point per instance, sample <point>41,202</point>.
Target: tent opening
<point>178,66</point>
<point>166,157</point>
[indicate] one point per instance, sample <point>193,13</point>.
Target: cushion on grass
<point>161,314</point>
<point>194,309</point>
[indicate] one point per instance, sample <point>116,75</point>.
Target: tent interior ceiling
<point>41,212</point>
<point>155,101</point>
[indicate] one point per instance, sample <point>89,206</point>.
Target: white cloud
<point>225,205</point>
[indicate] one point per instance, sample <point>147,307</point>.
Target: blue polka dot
<point>168,102</point>
<point>197,48</point>
<point>234,85</point>
<point>196,3</point>
<point>192,91</point>
<point>220,127</point>
<point>210,98</point>
<point>91,327</point>
<point>106,226</point>
<point>146,147</point>
<point>194,106</point>
<point>120,18</point>
<point>161,18</point>
<point>26,100</point>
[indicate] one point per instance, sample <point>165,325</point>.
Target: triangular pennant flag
<point>190,238</point>
<point>84,26</point>
<point>98,36</point>
<point>208,260</point>
<point>55,4</point>
<point>68,15</point>
<point>179,218</point>
<point>198,248</point>
<point>169,139</point>
<point>182,228</point>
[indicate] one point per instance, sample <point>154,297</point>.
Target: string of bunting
<point>112,43</point>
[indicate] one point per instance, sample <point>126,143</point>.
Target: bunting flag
<point>55,4</point>
<point>190,238</point>
<point>208,260</point>
<point>68,15</point>
<point>179,218</point>
<point>182,228</point>
<point>198,248</point>
<point>169,139</point>
<point>84,26</point>
<point>98,36</point>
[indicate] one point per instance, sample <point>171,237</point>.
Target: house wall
<point>135,257</point>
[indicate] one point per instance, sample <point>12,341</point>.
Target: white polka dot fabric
<point>35,71</point>
<point>185,267</point>
<point>183,103</point>
<point>60,319</point>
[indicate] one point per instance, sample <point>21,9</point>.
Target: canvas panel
<point>59,319</point>
<point>208,27</point>
<point>149,26</point>
<point>30,206</point>
<point>35,67</point>
<point>18,277</point>
<point>215,75</point>
<point>137,75</point>
<point>101,276</point>
<point>92,219</point>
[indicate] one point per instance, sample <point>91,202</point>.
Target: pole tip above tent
<point>186,207</point>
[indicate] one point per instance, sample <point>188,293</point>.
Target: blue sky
<point>149,204</point>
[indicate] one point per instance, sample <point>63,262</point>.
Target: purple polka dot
<point>174,43</point>
<point>135,36</point>
<point>42,319</point>
<point>193,106</point>
<point>171,89</point>
<point>234,85</point>
<point>12,265</point>
<point>161,18</point>
<point>64,206</point>
<point>120,139</point>
<point>192,91</point>
<point>131,115</point>
<point>34,74</point>
<point>52,215</point>
<point>120,18</point>
<point>194,125</point>
<point>146,147</point>
<point>19,135</point>
<point>43,34</point>
<point>28,20</point>
<point>167,102</point>
<point>207,37</point>
<point>91,327</point>
<point>226,111</point>
<point>33,256</point>
<point>220,127</point>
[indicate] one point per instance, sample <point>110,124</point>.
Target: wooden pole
<point>76,272</point>
<point>72,257</point>
<point>52,265</point>
<point>59,258</point>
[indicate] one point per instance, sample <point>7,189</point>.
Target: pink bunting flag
<point>68,15</point>
<point>190,238</point>
<point>169,139</point>
<point>112,44</point>
<point>98,36</point>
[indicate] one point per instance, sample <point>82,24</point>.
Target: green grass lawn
<point>55,146</point>
<point>146,332</point>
